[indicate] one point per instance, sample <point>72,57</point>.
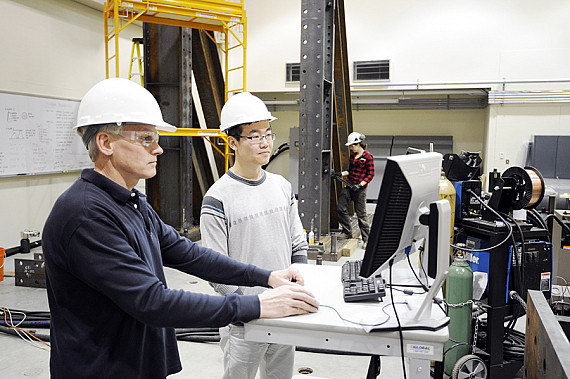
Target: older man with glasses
<point>251,215</point>
<point>112,313</point>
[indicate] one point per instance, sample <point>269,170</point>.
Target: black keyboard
<point>356,288</point>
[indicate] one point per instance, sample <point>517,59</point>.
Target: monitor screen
<point>409,185</point>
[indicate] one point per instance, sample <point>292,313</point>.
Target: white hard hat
<point>118,100</point>
<point>353,138</point>
<point>243,108</point>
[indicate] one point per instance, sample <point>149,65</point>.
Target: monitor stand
<point>421,314</point>
<point>417,312</point>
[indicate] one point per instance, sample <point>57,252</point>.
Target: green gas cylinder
<point>458,292</point>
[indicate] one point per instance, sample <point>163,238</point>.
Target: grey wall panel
<point>563,158</point>
<point>544,155</point>
<point>379,147</point>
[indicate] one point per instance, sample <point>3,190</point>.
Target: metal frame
<point>206,134</point>
<point>315,113</point>
<point>226,17</point>
<point>547,351</point>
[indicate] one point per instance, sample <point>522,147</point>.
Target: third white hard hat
<point>353,138</point>
<point>118,100</point>
<point>243,108</point>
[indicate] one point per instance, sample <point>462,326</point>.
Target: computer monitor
<point>409,186</point>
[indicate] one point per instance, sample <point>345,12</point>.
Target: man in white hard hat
<point>251,215</point>
<point>360,173</point>
<point>112,313</point>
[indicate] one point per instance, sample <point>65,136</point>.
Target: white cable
<point>564,289</point>
<point>24,336</point>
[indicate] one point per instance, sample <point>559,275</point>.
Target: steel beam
<point>315,113</point>
<point>342,126</point>
<point>168,64</point>
<point>547,351</point>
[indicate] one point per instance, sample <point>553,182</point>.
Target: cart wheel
<point>469,367</point>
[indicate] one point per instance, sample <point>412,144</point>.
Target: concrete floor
<point>21,359</point>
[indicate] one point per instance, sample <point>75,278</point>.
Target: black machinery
<point>515,189</point>
<point>514,254</point>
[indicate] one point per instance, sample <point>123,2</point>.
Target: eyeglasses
<point>144,137</point>
<point>258,139</point>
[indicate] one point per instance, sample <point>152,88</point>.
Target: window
<point>292,72</point>
<point>372,70</point>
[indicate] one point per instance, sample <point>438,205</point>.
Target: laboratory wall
<point>512,127</point>
<point>438,44</point>
<point>436,41</point>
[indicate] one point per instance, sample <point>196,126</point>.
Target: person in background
<point>251,215</point>
<point>360,173</point>
<point>112,313</point>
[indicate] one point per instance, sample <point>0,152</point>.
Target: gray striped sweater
<point>253,221</point>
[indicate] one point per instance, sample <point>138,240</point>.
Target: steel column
<point>315,113</point>
<point>167,70</point>
<point>186,104</point>
<point>342,122</point>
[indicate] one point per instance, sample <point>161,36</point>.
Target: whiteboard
<point>37,136</point>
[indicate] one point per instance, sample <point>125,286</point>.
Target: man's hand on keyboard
<point>287,300</point>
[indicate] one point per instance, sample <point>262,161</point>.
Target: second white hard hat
<point>243,108</point>
<point>354,137</point>
<point>118,100</point>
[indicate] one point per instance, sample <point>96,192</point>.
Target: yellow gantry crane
<point>226,17</point>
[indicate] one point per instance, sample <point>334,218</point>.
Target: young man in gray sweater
<point>251,215</point>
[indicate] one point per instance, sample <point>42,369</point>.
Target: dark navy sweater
<point>112,313</point>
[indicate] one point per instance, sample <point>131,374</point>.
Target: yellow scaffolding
<point>206,134</point>
<point>226,17</point>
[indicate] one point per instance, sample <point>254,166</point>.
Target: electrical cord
<point>509,228</point>
<point>560,222</point>
<point>513,345</point>
<point>283,147</point>
<point>391,263</point>
<point>518,274</point>
<point>514,295</point>
<point>540,221</point>
<point>407,292</point>
<point>457,344</point>
<point>359,323</point>
<point>424,287</point>
<point>514,247</point>
<point>15,329</point>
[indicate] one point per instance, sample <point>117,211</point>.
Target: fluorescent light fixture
<point>375,101</point>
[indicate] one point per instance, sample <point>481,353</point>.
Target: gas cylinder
<point>458,292</point>
<point>447,192</point>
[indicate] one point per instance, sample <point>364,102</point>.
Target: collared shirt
<point>361,168</point>
<point>112,313</point>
